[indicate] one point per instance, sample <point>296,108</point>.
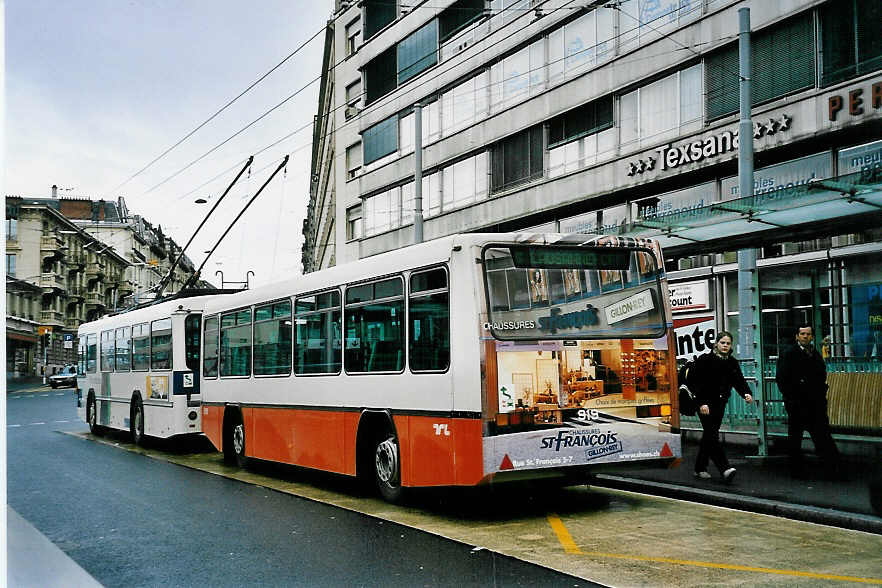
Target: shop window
<point>517,159</point>
<point>418,51</point>
<point>429,313</point>
<point>783,62</point>
<point>161,344</point>
<point>235,344</point>
<point>272,339</point>
<point>317,342</point>
<point>209,348</point>
<point>124,349</point>
<point>375,327</point>
<point>141,347</point>
<point>850,41</point>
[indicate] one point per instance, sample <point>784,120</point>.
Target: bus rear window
<point>557,292</point>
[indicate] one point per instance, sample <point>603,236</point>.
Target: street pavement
<point>761,485</point>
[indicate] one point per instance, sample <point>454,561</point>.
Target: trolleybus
<point>139,370</point>
<point>465,360</point>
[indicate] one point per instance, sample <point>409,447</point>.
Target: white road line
<point>60,421</point>
<point>44,395</point>
<point>32,424</point>
<point>60,394</point>
<point>10,426</point>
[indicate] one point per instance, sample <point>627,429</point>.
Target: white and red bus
<point>465,360</point>
<point>139,370</point>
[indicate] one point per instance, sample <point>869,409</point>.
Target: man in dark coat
<point>802,380</point>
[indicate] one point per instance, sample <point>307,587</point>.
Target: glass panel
<point>209,361</point>
<point>192,341</point>
<point>430,332</point>
<point>418,51</point>
<point>317,342</point>
<point>375,337</point>
<point>92,353</point>
<point>161,344</point>
<point>272,347</point>
<point>123,350</point>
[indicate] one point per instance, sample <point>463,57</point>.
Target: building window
<point>377,14</point>
<point>458,16</point>
<point>380,75</point>
<point>375,327</point>
<point>418,51</point>
<point>577,46</point>
<point>317,347</point>
<point>11,229</point>
<point>662,107</point>
<point>783,62</point>
<point>353,160</point>
<point>850,41</point>
<point>10,264</point>
<point>353,97</point>
<point>465,104</point>
<point>381,140</point>
<point>585,120</point>
<point>516,159</point>
<point>517,76</point>
<point>272,339</point>
<point>429,314</point>
<point>465,181</point>
<point>353,223</point>
<point>235,343</point>
<point>353,36</point>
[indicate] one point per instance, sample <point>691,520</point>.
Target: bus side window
<point>192,335</point>
<point>235,343</point>
<point>209,351</point>
<point>272,339</point>
<point>317,348</point>
<point>81,356</point>
<point>375,327</point>
<point>161,344</point>
<point>429,342</point>
<point>107,351</point>
<point>92,353</point>
<point>124,349</point>
<point>140,347</point>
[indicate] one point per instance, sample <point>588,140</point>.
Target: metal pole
<point>749,315</point>
<point>418,173</point>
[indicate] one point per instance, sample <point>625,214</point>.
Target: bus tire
<point>92,415</point>
<point>387,466</point>
<point>136,420</point>
<point>234,439</point>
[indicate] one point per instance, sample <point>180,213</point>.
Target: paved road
<point>132,521</point>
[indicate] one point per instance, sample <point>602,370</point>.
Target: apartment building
<point>622,118</point>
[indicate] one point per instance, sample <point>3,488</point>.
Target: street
<point>134,516</point>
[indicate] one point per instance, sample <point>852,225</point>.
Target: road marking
<point>566,540</point>
<point>61,421</point>
<point>60,394</point>
<point>9,426</point>
<point>44,395</point>
<point>32,424</point>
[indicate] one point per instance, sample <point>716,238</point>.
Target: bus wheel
<point>136,423</point>
<point>387,469</point>
<point>234,441</point>
<point>92,416</point>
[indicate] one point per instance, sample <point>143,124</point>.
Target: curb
<point>810,514</point>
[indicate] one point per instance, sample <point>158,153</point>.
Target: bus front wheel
<point>92,416</point>
<point>136,422</point>
<point>387,467</point>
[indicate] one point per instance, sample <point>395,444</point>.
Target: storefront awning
<point>782,208</point>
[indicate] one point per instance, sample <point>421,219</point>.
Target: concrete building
<point>622,118</point>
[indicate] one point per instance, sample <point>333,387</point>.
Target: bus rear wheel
<point>136,422</point>
<point>234,441</point>
<point>92,416</point>
<point>387,467</point>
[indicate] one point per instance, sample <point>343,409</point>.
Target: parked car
<point>66,378</point>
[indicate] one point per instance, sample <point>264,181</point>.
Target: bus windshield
<point>537,292</point>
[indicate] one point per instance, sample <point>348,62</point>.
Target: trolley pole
<point>418,173</point>
<point>749,312</point>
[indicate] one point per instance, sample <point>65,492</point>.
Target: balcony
<point>125,288</point>
<point>52,317</point>
<point>73,323</point>
<point>95,299</point>
<point>51,281</point>
<point>76,262</point>
<point>52,246</point>
<point>94,271</point>
<point>76,293</point>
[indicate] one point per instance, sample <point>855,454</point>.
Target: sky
<point>97,89</point>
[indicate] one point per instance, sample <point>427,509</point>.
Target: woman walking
<point>711,379</point>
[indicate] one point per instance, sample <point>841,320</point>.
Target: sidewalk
<point>23,383</point>
<point>764,485</point>
<point>33,560</point>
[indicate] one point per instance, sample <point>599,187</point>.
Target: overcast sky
<point>96,89</point>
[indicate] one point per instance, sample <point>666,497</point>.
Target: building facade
<point>73,260</point>
<point>622,118</point>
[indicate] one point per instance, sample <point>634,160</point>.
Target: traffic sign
<point>44,330</point>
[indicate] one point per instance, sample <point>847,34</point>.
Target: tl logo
<point>441,427</point>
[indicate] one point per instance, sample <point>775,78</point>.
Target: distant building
<point>73,260</point>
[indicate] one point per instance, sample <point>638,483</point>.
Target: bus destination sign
<point>544,257</point>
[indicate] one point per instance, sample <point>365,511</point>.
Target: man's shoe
<point>703,475</point>
<point>728,475</point>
